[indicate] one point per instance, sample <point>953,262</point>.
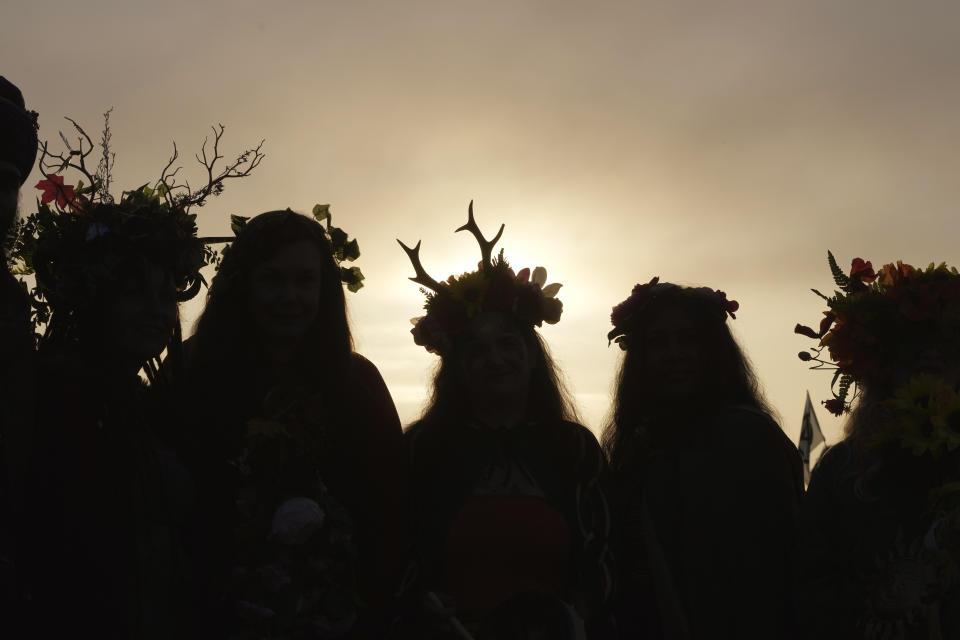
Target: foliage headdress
<point>81,236</point>
<point>492,287</point>
<point>879,323</point>
<point>627,315</point>
<point>343,248</point>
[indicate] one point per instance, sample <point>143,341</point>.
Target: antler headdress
<point>492,287</point>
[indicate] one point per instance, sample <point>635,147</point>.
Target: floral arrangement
<point>74,241</point>
<point>627,314</point>
<point>492,287</point>
<point>296,576</point>
<point>878,321</point>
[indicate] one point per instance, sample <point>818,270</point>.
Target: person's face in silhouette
<point>142,315</point>
<point>671,354</point>
<point>285,292</point>
<point>494,358</point>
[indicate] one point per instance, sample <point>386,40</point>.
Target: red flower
<point>54,189</point>
<point>638,298</point>
<point>730,306</point>
<point>836,406</point>
<point>805,331</point>
<point>861,272</point>
<point>828,319</point>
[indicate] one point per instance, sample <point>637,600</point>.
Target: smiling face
<point>494,359</point>
<point>285,292</point>
<point>671,354</point>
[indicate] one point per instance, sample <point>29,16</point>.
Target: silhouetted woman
<point>710,484</point>
<point>297,443</point>
<point>107,497</point>
<point>18,150</point>
<point>509,493</point>
<point>879,545</point>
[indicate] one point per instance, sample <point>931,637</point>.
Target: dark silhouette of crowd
<point>254,480</point>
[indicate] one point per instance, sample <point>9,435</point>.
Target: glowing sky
<point>726,144</point>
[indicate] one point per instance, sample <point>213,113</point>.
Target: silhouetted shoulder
<point>749,428</point>
<point>837,462</point>
<point>364,371</point>
<point>755,445</point>
<point>369,394</point>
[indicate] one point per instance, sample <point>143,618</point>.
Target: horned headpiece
<point>492,287</point>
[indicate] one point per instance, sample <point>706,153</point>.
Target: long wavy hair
<point>548,400</point>
<point>224,359</point>
<point>638,420</point>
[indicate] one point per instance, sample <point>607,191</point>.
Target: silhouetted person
<point>289,421</point>
<point>533,616</point>
<point>106,497</point>
<point>878,540</point>
<point>18,150</point>
<point>710,485</point>
<point>509,493</point>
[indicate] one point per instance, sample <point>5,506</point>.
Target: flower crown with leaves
<point>75,242</point>
<point>343,248</point>
<point>492,287</point>
<point>626,316</point>
<point>878,322</point>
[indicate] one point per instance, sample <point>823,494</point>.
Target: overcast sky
<point>725,144</point>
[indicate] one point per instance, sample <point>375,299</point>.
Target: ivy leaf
<point>338,238</point>
<point>352,277</point>
<point>237,223</point>
<point>321,212</point>
<point>351,251</point>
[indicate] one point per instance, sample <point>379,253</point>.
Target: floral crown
<point>878,322</point>
<point>343,248</point>
<point>626,316</point>
<point>79,236</point>
<point>492,287</point>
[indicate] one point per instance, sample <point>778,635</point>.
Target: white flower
<point>539,278</point>
<point>296,520</point>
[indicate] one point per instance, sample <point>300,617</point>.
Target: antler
<point>421,277</point>
<point>486,246</point>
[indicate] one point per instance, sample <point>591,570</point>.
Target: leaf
<point>352,277</point>
<point>351,251</point>
<point>338,238</point>
<point>551,290</point>
<point>321,212</point>
<point>237,223</point>
<point>821,295</point>
<point>838,275</point>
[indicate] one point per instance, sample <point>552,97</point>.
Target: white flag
<point>810,437</point>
